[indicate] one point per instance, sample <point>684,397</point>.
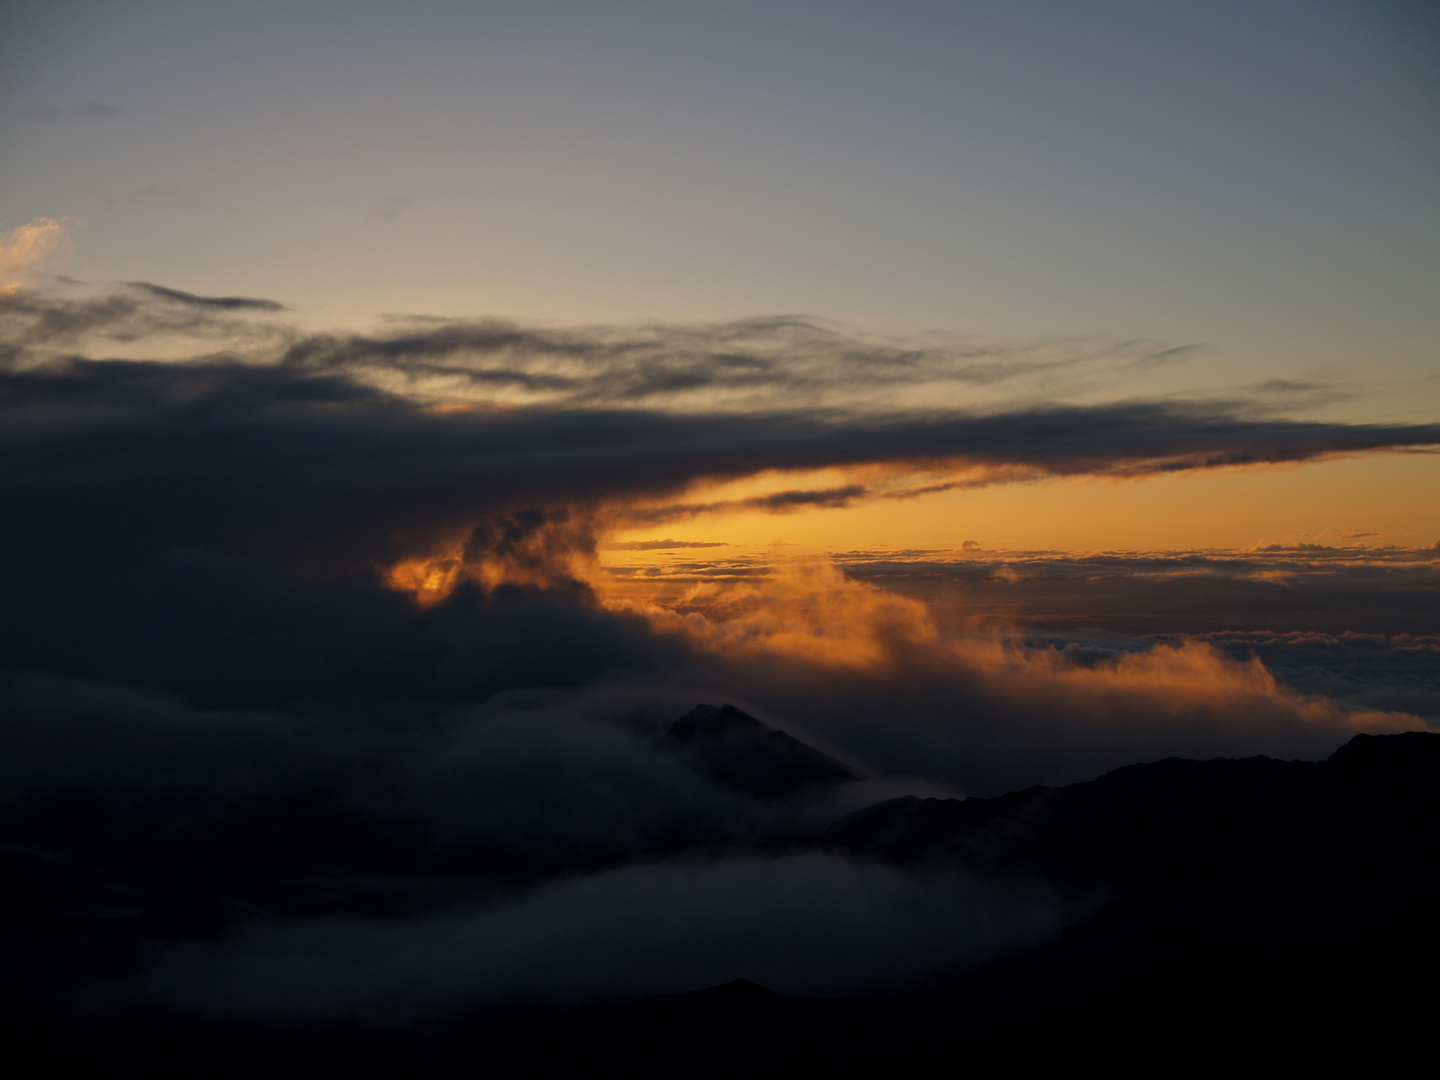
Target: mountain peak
<point>735,750</point>
<point>713,721</point>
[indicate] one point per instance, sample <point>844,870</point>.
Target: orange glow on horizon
<point>762,588</point>
<point>647,554</point>
<point>1379,498</point>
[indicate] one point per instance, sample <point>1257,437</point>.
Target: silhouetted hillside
<point>1253,916</point>
<point>1246,916</point>
<point>734,749</point>
<point>1342,836</point>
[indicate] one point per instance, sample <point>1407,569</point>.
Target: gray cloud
<point>1400,672</point>
<point>1038,716</point>
<point>779,502</point>
<point>235,455</point>
<point>739,365</point>
<point>314,448</point>
<point>36,331</point>
<point>1328,589</point>
<point>662,545</point>
<point>222,303</point>
<point>805,924</point>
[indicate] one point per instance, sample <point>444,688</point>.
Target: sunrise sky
<point>1111,202</point>
<point>1219,209</point>
<point>409,411</point>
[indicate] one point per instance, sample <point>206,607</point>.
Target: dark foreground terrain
<point>1249,916</point>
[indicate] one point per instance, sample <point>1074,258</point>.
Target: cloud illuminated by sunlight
<point>806,616</point>
<point>805,608</point>
<point>25,246</point>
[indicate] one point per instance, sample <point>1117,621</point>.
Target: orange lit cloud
<point>1001,595</point>
<point>988,704</point>
<point>25,246</point>
<point>802,621</point>
<point>535,547</point>
<point>808,610</point>
<point>805,608</point>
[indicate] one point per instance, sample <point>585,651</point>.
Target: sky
<point>414,410</point>
<point>1254,178</point>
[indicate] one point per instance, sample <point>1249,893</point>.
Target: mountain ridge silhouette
<point>1249,916</point>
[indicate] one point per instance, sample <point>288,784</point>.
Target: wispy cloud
<point>25,246</point>
<point>220,303</point>
<point>390,208</point>
<point>662,545</point>
<point>303,432</point>
<point>739,365</point>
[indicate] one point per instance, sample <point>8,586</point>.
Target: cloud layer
<point>811,924</point>
<point>324,453</point>
<point>315,700</point>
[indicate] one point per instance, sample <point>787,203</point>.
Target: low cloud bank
<point>811,924</point>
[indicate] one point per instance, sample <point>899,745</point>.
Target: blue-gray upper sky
<point>1260,179</point>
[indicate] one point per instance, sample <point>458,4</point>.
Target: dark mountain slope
<point>1255,917</point>
<point>734,749</point>
<point>1250,917</point>
<point>1356,831</point>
